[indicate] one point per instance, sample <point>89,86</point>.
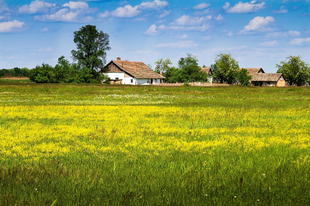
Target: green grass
<point>223,175</point>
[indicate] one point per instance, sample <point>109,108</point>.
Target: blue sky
<point>256,33</point>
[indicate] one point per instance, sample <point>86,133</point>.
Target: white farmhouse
<point>129,72</point>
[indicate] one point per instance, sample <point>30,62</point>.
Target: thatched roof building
<point>207,70</point>
<point>268,79</point>
<point>254,70</point>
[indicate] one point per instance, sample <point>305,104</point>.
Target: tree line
<point>15,72</point>
<point>90,57</point>
<point>227,70</point>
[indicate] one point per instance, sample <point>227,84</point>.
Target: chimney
<point>118,59</point>
<point>135,67</point>
<point>161,73</point>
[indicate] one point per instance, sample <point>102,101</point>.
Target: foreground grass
<point>142,145</point>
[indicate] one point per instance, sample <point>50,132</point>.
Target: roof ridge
<point>127,61</point>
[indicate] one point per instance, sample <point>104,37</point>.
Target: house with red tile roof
<point>131,72</point>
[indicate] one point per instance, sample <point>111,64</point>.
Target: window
<point>155,80</point>
<point>131,81</point>
<point>116,78</point>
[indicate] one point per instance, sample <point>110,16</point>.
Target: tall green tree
<point>225,69</point>
<point>294,70</point>
<point>244,77</point>
<point>173,75</point>
<point>43,74</point>
<point>162,65</point>
<point>92,46</point>
<point>188,71</point>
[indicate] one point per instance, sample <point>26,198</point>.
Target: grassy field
<point>146,145</point>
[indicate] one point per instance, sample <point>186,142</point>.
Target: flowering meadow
<point>145,145</point>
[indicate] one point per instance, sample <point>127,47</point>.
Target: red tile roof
<point>142,71</point>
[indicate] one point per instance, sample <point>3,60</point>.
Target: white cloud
<point>157,4</point>
<point>61,15</point>
<point>258,24</point>
<point>201,6</point>
<point>282,10</point>
<point>104,15</point>
<point>152,30</point>
<point>3,6</point>
<point>184,36</point>
<point>226,6</point>
<point>244,7</point>
<point>77,5</point>
<point>300,41</point>
<point>180,45</point>
<point>230,33</point>
<point>126,11</point>
<point>130,11</point>
<point>45,29</point>
<point>201,28</point>
<point>69,12</point>
<point>269,43</point>
<point>206,38</point>
<point>189,21</point>
<point>11,26</point>
<point>121,3</point>
<point>165,13</point>
<point>283,34</point>
<point>219,17</point>
<point>35,7</point>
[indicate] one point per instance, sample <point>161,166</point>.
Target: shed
<point>268,79</point>
<point>208,71</point>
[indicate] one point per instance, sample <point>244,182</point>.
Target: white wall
<point>127,80</point>
<point>147,81</point>
<point>115,75</point>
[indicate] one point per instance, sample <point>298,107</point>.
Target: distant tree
<point>65,71</point>
<point>225,69</point>
<point>5,72</point>
<point>25,72</point>
<point>162,65</point>
<point>2,72</point>
<point>294,70</point>
<point>43,74</point>
<point>244,77</point>
<point>172,75</point>
<point>190,71</point>
<point>190,60</point>
<point>92,46</point>
<point>17,72</point>
<point>149,66</point>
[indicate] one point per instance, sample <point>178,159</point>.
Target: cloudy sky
<point>256,33</point>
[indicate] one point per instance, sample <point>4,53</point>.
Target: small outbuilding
<point>268,79</point>
<point>131,72</point>
<point>208,71</point>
